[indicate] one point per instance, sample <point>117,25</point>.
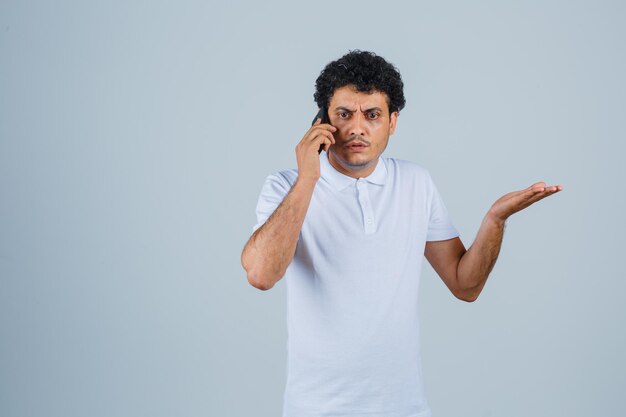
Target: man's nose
<point>357,127</point>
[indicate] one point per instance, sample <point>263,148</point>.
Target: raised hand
<point>515,201</point>
<point>307,154</point>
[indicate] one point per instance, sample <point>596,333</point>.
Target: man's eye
<point>372,116</point>
<point>343,114</point>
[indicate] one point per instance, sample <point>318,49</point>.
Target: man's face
<point>363,127</point>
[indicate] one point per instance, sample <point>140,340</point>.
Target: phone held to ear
<point>322,114</point>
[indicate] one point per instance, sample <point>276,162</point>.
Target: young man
<point>349,230</point>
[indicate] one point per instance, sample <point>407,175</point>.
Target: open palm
<point>515,201</point>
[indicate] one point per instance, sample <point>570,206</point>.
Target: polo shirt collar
<point>341,181</point>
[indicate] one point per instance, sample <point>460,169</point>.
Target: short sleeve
<point>440,225</point>
<point>272,194</point>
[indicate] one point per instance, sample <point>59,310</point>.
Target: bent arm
<point>465,272</point>
<point>476,264</point>
<point>271,247</point>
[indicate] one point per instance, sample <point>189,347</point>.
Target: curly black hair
<point>367,71</point>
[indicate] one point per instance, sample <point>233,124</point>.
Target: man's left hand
<point>515,201</point>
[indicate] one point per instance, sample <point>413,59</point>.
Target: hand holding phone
<point>321,114</point>
<point>318,137</point>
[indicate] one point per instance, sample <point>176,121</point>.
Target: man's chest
<point>364,227</point>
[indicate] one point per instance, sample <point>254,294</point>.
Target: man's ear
<point>393,119</point>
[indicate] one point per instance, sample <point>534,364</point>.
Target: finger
<point>324,138</point>
<point>529,196</point>
<point>327,139</point>
<point>538,185</point>
<point>539,193</point>
<point>555,188</point>
<point>327,144</point>
<point>317,141</point>
<point>548,191</point>
<point>324,126</point>
<point>315,136</point>
<point>318,121</point>
<point>533,189</point>
<point>318,129</point>
<point>312,134</point>
<point>528,193</point>
<point>541,186</point>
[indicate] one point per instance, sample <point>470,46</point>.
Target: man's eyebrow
<point>352,110</point>
<point>373,109</point>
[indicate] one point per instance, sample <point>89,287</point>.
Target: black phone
<point>323,114</point>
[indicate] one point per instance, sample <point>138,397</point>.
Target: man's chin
<point>357,161</point>
<point>356,164</point>
<point>359,164</point>
<point>352,162</point>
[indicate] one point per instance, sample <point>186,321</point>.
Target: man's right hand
<point>271,247</point>
<point>306,151</point>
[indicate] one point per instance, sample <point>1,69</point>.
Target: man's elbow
<point>256,278</point>
<point>468,296</point>
<point>467,293</point>
<point>258,283</point>
<point>251,273</point>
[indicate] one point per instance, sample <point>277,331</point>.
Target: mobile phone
<point>323,114</point>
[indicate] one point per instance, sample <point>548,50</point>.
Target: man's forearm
<point>271,248</point>
<point>476,264</point>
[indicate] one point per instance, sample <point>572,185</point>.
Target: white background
<point>134,140</point>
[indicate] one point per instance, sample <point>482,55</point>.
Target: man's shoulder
<point>289,175</point>
<point>285,177</point>
<point>405,167</point>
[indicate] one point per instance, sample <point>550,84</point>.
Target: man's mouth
<point>356,145</point>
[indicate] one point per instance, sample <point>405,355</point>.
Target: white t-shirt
<point>352,290</point>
